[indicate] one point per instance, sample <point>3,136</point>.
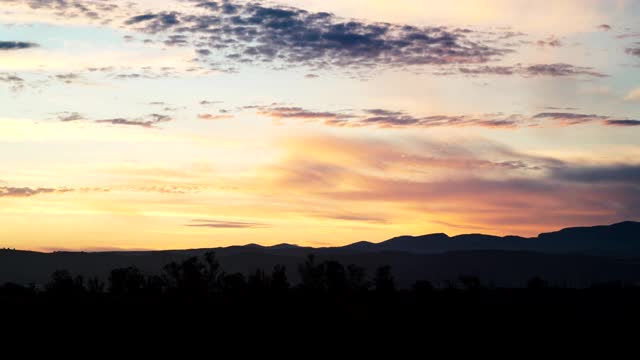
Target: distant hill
<point>573,256</point>
<point>622,239</point>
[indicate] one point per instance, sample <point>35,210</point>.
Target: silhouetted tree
<point>126,281</point>
<point>95,285</point>
<point>334,276</point>
<point>232,283</point>
<point>356,278</point>
<point>470,282</point>
<point>312,275</point>
<point>189,277</point>
<point>537,283</point>
<point>279,281</point>
<point>11,289</point>
<point>259,281</point>
<point>62,283</point>
<point>155,285</point>
<point>422,287</point>
<point>384,281</point>
<point>212,271</point>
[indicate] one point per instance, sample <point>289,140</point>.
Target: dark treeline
<point>204,277</point>
<point>196,299</point>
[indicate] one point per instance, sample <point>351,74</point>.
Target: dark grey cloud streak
<point>625,174</point>
<point>16,45</point>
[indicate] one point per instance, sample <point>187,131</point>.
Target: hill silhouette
<point>573,256</point>
<point>621,239</point>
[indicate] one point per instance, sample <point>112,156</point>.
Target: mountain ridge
<point>598,240</point>
<point>580,256</point>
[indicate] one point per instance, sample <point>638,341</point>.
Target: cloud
<point>223,224</point>
<point>300,113</point>
<point>155,22</point>
<point>622,122</point>
<point>568,119</point>
<point>553,70</point>
<point>383,118</point>
<point>633,51</point>
<point>150,122</point>
<point>633,95</point>
<point>228,34</point>
<point>461,182</point>
<point>386,118</point>
<point>214,117</point>
<point>72,8</point>
<point>16,45</point>
<point>71,116</point>
<point>551,41</point>
<point>604,27</point>
<point>209,102</point>
<point>15,82</point>
<point>629,174</point>
<point>257,33</point>
<point>6,191</point>
<point>68,78</point>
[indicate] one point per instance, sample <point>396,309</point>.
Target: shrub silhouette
<point>259,281</point>
<point>384,281</point>
<point>357,278</point>
<point>422,287</point>
<point>279,281</point>
<point>470,282</point>
<point>537,283</point>
<point>126,281</point>
<point>62,283</point>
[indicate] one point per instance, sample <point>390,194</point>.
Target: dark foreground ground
<point>484,317</point>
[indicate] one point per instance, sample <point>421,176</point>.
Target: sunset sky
<point>171,124</point>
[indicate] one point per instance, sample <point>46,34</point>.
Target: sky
<point>173,124</point>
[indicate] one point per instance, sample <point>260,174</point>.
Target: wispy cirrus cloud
<point>6,191</point>
<point>604,27</point>
<point>215,116</point>
<point>384,118</point>
<point>568,119</point>
<point>225,224</point>
<point>71,116</point>
<point>633,95</point>
<point>459,182</point>
<point>150,121</point>
<point>552,70</point>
